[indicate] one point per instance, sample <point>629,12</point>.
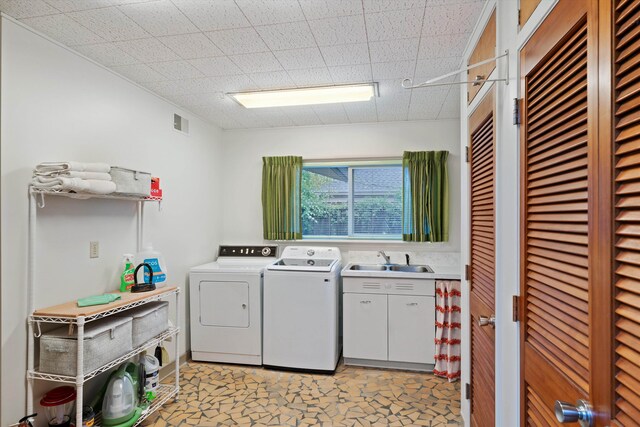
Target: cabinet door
<point>412,328</point>
<point>365,326</point>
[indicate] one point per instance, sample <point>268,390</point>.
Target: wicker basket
<point>104,340</point>
<point>131,182</point>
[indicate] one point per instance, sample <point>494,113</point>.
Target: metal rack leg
<point>177,346</point>
<point>80,371</point>
<point>31,277</point>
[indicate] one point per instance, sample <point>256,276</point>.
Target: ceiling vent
<point>180,124</point>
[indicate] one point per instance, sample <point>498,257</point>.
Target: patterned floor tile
<point>231,395</point>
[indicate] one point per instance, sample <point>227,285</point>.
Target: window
<point>357,200</point>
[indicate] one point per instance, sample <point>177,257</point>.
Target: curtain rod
<point>351,159</point>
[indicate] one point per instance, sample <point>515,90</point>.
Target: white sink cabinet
<point>389,322</point>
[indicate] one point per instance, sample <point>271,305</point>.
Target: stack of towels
<point>91,178</point>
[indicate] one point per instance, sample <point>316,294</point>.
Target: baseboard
<point>169,369</point>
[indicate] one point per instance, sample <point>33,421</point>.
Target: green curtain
<point>281,178</point>
<point>425,196</point>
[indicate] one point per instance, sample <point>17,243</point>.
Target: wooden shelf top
<point>70,310</point>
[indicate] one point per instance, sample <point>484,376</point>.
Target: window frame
<point>351,165</point>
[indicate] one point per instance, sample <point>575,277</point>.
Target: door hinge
<point>467,391</point>
<point>516,111</point>
<point>519,18</point>
<point>467,272</point>
<point>516,308</point>
<point>466,154</point>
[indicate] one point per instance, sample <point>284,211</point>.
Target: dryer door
<point>224,303</point>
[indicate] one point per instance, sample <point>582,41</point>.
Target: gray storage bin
<point>131,182</point>
<point>149,320</point>
<point>104,341</point>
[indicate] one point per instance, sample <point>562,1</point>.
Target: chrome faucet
<point>387,259</point>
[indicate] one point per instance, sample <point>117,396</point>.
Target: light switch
<point>94,249</point>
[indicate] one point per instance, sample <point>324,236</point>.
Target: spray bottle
<point>126,279</point>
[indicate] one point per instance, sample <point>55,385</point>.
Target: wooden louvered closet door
<point>626,27</point>
<point>566,215</point>
<point>482,266</point>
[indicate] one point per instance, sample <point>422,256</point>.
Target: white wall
<point>57,105</point>
<point>243,151</point>
<point>507,361</point>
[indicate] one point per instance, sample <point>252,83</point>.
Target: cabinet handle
<point>412,303</point>
<point>365,302</point>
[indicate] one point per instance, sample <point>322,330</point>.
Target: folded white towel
<point>74,174</point>
<point>93,186</point>
<point>46,167</point>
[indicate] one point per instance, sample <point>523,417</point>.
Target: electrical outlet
<point>94,249</point>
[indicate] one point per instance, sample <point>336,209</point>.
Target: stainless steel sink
<point>411,268</point>
<point>392,267</point>
<point>361,267</point>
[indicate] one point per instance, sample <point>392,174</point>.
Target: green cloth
<point>281,197</point>
<point>98,300</point>
<point>425,196</point>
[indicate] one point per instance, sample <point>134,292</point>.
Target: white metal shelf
<point>169,333</point>
<point>85,196</point>
<point>79,318</point>
<point>34,318</point>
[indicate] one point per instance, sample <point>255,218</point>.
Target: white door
<point>412,328</point>
<point>224,303</point>
<point>365,326</point>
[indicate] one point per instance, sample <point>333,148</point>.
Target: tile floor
<point>230,395</point>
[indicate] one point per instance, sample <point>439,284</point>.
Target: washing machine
<point>226,305</point>
<point>301,319</point>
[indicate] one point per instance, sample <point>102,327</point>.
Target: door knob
<point>580,413</point>
<point>484,321</point>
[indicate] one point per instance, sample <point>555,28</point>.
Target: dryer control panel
<point>248,251</point>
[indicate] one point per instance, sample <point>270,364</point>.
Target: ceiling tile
<point>393,102</point>
<point>426,103</point>
<point>318,9</point>
<point>139,73</point>
<point>176,70</point>
<point>346,54</point>
<point>238,41</point>
<point>302,115</point>
<point>331,113</point>
<point>394,50</point>
<point>393,70</point>
<point>63,29</point>
<point>311,77</point>
<point>109,23</point>
<point>361,112</point>
<point>300,58</point>
<point>107,54</point>
<point>450,19</point>
<point>272,80</point>
<point>293,35</point>
<point>237,83</point>
<point>196,99</point>
<point>74,5</point>
<point>340,30</point>
<point>191,46</point>
<point>219,66</point>
<point>224,121</point>
<point>165,88</point>
<point>428,68</point>
<point>200,85</point>
<point>213,15</point>
<point>159,18</point>
<point>442,46</point>
<point>26,8</point>
<point>257,62</point>
<point>396,24</point>
<point>351,73</point>
<point>147,50</point>
<point>371,6</point>
<point>265,12</point>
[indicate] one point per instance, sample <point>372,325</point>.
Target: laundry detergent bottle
<point>154,258</point>
<point>126,278</point>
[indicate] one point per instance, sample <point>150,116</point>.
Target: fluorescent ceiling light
<point>306,96</point>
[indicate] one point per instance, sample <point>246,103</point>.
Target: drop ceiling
<point>193,51</point>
